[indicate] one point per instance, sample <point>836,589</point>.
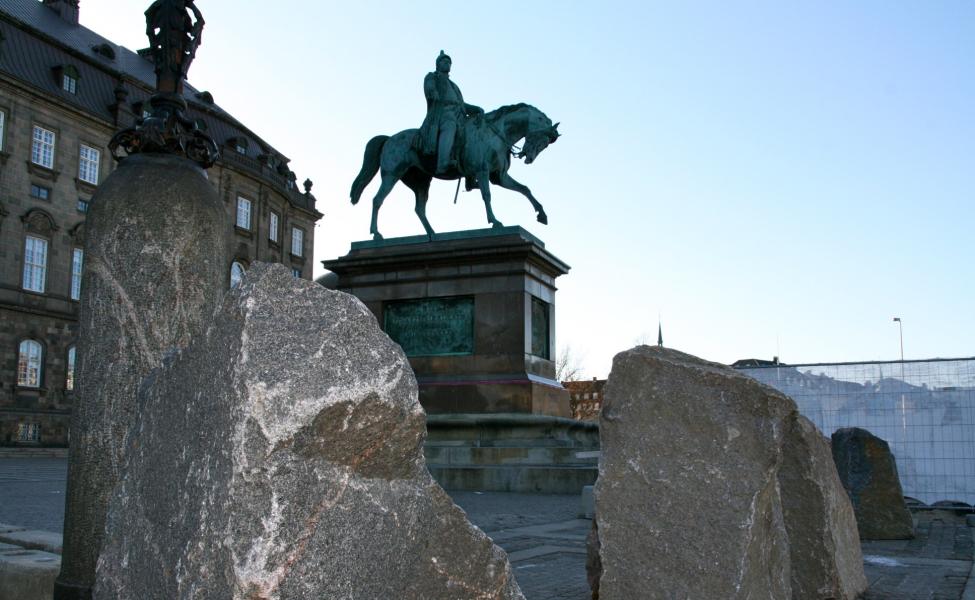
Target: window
<point>241,149</point>
<point>69,84</point>
<point>42,150</point>
<point>35,263</point>
<point>40,192</point>
<point>296,273</point>
<point>274,227</point>
<point>77,260</point>
<point>297,241</point>
<point>29,364</point>
<point>236,273</point>
<point>82,205</point>
<point>69,377</point>
<point>88,164</point>
<point>243,213</point>
<point>3,122</point>
<point>28,432</point>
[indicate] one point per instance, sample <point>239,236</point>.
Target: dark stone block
<point>868,471</point>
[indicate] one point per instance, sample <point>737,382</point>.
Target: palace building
<point>64,91</point>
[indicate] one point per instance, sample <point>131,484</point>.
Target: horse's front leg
<point>508,182</point>
<point>484,181</point>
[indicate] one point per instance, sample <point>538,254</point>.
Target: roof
<point>36,40</point>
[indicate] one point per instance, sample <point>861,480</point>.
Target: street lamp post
<point>900,324</point>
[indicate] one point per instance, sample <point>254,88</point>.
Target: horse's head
<point>536,141</point>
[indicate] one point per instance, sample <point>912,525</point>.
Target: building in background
<point>64,91</point>
<point>585,398</point>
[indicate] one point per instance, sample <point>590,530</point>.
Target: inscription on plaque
<point>432,326</point>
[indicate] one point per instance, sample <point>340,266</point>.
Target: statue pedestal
<point>473,310</point>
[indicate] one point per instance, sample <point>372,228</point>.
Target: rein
<point>512,149</point>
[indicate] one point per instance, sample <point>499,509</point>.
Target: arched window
<point>69,379</point>
<point>29,364</point>
<point>236,273</point>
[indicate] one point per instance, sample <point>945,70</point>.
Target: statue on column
<point>173,40</point>
<point>174,36</point>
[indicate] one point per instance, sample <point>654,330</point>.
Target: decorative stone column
<point>155,258</point>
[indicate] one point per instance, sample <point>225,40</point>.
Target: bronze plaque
<point>540,329</point>
<point>431,326</point>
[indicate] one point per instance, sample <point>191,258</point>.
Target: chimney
<point>66,9</point>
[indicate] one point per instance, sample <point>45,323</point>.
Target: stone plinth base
<point>511,453</point>
<point>473,310</point>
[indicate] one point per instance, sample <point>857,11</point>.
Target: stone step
<point>515,478</point>
<point>27,574</point>
<point>510,430</point>
<point>30,452</point>
<point>511,443</point>
<point>48,541</point>
<point>499,456</point>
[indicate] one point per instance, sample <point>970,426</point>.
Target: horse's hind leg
<point>508,182</point>
<point>484,181</point>
<point>420,184</point>
<point>377,202</point>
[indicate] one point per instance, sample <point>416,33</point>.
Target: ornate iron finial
<point>174,36</point>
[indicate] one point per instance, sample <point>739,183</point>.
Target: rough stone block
<point>868,471</point>
<point>687,501</point>
<point>280,456</point>
<point>825,549</point>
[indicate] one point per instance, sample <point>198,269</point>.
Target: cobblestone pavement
<point>32,492</point>
<point>546,544</point>
<point>935,565</point>
<point>545,539</point>
<point>542,535</point>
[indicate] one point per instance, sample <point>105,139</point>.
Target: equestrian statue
<point>456,141</point>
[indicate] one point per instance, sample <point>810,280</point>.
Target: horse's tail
<point>370,166</point>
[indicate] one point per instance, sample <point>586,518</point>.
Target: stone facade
<point>586,398</point>
<point>41,51</point>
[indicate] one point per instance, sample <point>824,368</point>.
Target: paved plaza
<point>545,539</point>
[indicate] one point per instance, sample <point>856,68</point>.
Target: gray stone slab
<point>5,528</point>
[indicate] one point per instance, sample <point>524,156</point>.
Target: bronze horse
<point>485,155</point>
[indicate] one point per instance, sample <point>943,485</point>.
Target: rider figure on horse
<point>446,114</point>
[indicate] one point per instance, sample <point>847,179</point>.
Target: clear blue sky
<point>766,176</point>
